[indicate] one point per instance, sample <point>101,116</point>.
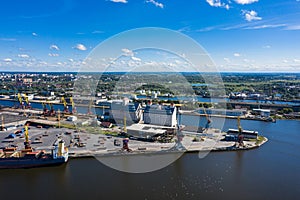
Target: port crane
<point>73,105</point>
<point>52,111</point>
<point>125,127</point>
<point>90,106</point>
<point>20,100</point>
<point>27,142</point>
<point>239,125</point>
<point>66,109</point>
<point>27,101</point>
<point>240,138</point>
<point>2,123</point>
<point>47,112</point>
<point>208,120</point>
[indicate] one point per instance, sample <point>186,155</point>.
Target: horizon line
<point>71,72</point>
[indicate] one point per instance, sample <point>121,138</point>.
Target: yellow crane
<point>27,142</point>
<point>63,100</point>
<point>26,99</point>
<point>73,105</point>
<point>20,99</point>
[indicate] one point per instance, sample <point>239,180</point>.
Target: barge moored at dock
<point>11,158</point>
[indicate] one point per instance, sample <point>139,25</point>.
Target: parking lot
<point>40,138</point>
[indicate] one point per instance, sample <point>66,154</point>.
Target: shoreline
<point>113,153</point>
<point>193,113</point>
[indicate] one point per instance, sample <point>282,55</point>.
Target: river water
<point>269,172</point>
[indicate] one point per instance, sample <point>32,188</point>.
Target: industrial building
<point>262,112</point>
<point>117,110</point>
<point>160,115</point>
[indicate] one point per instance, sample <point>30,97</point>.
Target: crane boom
<point>64,101</point>
<point>20,98</point>
<point>26,142</point>
<point>207,118</point>
<point>125,127</point>
<point>206,115</point>
<point>73,105</point>
<point>26,99</point>
<point>239,124</point>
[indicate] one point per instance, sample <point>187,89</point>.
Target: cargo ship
<point>11,158</point>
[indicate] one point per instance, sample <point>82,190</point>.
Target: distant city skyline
<point>239,35</point>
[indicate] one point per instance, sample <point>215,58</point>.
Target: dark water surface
<point>269,172</point>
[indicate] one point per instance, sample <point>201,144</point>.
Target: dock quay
<point>96,145</point>
<point>193,113</point>
<point>148,149</point>
<point>86,140</point>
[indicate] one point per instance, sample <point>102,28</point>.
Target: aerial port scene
<point>123,99</point>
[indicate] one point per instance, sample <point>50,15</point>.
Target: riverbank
<point>196,148</point>
<point>193,113</point>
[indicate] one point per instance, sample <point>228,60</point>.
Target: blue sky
<point>239,35</point>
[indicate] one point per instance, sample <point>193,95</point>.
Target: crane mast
<point>208,121</point>
<point>239,125</point>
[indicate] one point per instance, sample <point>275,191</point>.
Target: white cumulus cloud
<point>119,1</point>
<point>245,1</point>
<point>135,58</point>
<point>34,34</point>
<point>23,56</point>
<point>54,47</point>
<point>53,54</point>
<point>218,3</point>
<point>7,59</point>
<point>237,54</point>
<point>227,60</point>
<point>157,4</point>
<point>127,52</point>
<point>296,60</point>
<point>251,15</point>
<point>80,47</point>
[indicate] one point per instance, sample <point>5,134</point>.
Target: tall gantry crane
<point>27,101</point>
<point>73,105</point>
<point>20,100</point>
<point>239,125</point>
<point>27,142</point>
<point>63,100</point>
<point>90,106</point>
<point>208,120</point>
<point>240,138</point>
